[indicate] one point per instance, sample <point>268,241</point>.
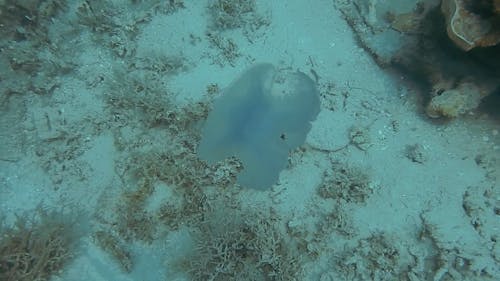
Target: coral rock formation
<point>456,101</point>
<point>472,24</point>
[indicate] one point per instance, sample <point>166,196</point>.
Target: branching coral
<point>231,14</point>
<point>374,258</point>
<point>36,247</point>
<point>241,247</point>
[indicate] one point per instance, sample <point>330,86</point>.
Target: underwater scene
<point>315,140</point>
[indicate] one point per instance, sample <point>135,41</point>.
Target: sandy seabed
<point>102,108</point>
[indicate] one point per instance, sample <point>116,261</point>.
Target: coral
<point>227,49</point>
<point>37,246</point>
<point>181,170</point>
<point>28,18</point>
<point>114,27</point>
<point>454,102</point>
<point>406,22</point>
<point>240,247</point>
<point>457,80</point>
<point>468,26</point>
<point>113,247</point>
<point>229,14</point>
<point>133,220</point>
<point>137,95</point>
<point>374,258</point>
<point>345,183</point>
<point>232,14</point>
<point>426,54</point>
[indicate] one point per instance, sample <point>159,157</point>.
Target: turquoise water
<point>112,168</point>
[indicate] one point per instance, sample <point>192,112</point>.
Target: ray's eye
<point>283,136</point>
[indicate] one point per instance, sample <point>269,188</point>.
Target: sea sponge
<point>467,27</point>
<point>454,102</point>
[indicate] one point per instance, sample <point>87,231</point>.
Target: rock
<point>454,102</point>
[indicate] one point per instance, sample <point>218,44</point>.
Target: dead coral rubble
<point>348,184</point>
